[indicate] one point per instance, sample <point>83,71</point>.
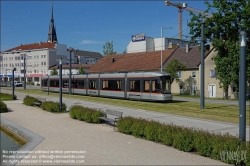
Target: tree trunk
<point>226,93</point>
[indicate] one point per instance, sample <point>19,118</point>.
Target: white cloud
<point>91,42</point>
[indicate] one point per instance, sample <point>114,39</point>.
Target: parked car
<point>18,84</point>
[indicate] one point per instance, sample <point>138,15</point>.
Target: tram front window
<point>161,85</point>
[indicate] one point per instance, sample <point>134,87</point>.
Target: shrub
<point>165,134</point>
<point>226,148</point>
<point>53,106</point>
<point>183,139</point>
<point>3,107</point>
<point>95,115</point>
<point>138,128</point>
<point>28,100</point>
<point>203,143</point>
<point>73,109</point>
<point>151,131</point>
<point>85,114</point>
<point>124,125</point>
<point>6,96</point>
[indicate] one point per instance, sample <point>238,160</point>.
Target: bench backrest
<point>114,113</point>
<point>41,99</point>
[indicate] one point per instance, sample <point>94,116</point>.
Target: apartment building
<point>36,58</point>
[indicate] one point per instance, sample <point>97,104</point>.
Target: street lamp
<point>24,73</point>
<point>162,42</point>
<point>13,83</point>
<point>70,67</point>
<point>242,90</point>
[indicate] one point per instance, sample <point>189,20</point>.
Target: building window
<point>41,56</point>
<point>179,75</point>
<point>41,63</point>
<point>193,74</point>
<point>44,56</point>
<point>212,73</point>
<point>44,63</point>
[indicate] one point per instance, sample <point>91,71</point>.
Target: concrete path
<point>67,141</point>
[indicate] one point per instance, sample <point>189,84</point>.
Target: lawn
<point>218,112</point>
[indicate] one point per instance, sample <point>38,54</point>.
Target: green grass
<point>218,112</point>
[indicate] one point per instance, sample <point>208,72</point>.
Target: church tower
<point>52,38</point>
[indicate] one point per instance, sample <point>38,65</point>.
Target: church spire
<point>52,30</point>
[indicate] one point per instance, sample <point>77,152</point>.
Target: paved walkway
<point>67,141</point>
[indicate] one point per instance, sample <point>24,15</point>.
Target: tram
<point>148,86</point>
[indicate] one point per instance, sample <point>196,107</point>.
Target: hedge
<point>81,113</point>
<point>53,106</point>
<point>226,148</point>
<point>3,107</point>
<point>29,100</point>
<point>6,96</point>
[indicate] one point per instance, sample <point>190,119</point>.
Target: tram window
<point>78,84</point>
<point>54,83</point>
<point>104,85</point>
<point>146,86</point>
<point>156,86</point>
<point>92,84</point>
<point>134,85</point>
<point>44,82</point>
<point>65,83</point>
<point>111,85</point>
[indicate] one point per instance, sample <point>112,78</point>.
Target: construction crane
<point>184,6</point>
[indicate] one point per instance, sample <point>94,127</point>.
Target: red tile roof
<point>73,66</point>
<point>32,46</point>
<point>192,59</point>
<point>141,61</point>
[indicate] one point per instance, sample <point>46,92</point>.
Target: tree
<point>108,48</point>
<point>222,30</point>
<point>173,67</point>
<point>54,72</point>
<point>81,71</point>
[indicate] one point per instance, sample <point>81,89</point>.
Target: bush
<point>6,96</point>
<point>138,128</point>
<point>226,148</point>
<point>165,134</point>
<point>85,114</point>
<point>28,100</point>
<point>125,125</point>
<point>53,106</point>
<point>151,131</point>
<point>3,107</point>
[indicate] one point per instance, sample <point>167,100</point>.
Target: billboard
<point>138,37</point>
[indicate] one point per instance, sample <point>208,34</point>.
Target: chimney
<point>187,48</point>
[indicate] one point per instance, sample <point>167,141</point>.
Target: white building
<point>142,43</point>
<point>38,58</point>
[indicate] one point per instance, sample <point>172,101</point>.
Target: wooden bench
<point>40,101</point>
<point>111,116</point>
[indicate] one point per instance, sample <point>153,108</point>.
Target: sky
<point>88,25</point>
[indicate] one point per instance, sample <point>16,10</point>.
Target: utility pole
<point>13,83</point>
<point>70,68</point>
<point>242,90</point>
<point>202,65</point>
<point>60,84</point>
<point>24,73</point>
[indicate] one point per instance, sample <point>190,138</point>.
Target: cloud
<point>91,42</point>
